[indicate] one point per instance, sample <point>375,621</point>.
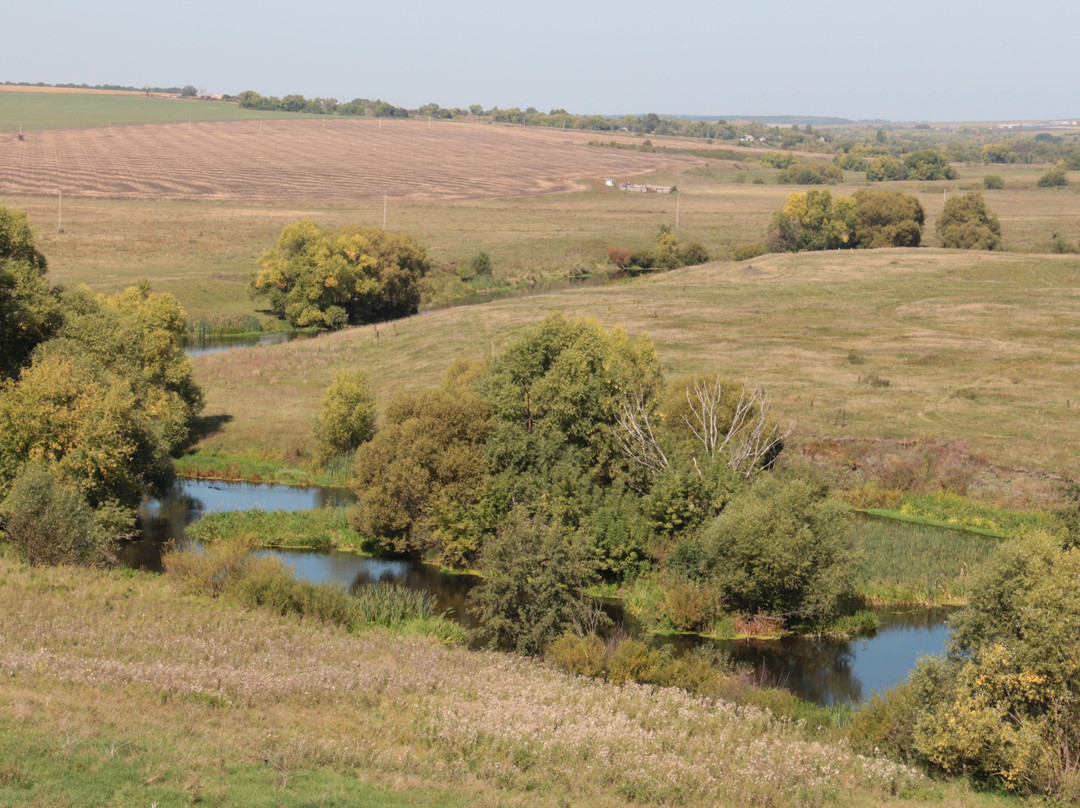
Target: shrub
<point>481,265</point>
<point>1001,706</point>
<point>346,416</point>
<point>1060,245</point>
<point>993,182</point>
<point>620,256</point>
<point>49,521</point>
<point>1054,178</point>
<point>780,548</point>
<point>693,253</point>
<point>967,224</point>
<point>581,656</point>
<point>745,252</point>
<point>534,586</point>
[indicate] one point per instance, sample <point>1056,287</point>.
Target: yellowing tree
<point>350,276</point>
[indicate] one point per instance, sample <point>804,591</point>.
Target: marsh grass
<point>150,693</point>
<point>321,528</point>
<point>917,563</point>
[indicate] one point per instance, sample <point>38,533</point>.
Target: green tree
<point>928,164</point>
<point>887,219</point>
<point>884,168</point>
<point>1054,178</point>
<point>967,224</point>
<point>782,548</point>
<point>556,392</point>
<point>29,309</point>
<point>346,415</point>
<point>813,220</point>
<point>349,276</point>
<point>49,521</point>
<point>418,477</point>
<point>534,586</point>
<point>993,182</point>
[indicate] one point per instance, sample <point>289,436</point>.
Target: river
<point>825,671</point>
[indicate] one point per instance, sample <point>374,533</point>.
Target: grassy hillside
<point>127,692</point>
<point>883,344</point>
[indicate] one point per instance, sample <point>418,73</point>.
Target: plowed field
<point>329,161</point>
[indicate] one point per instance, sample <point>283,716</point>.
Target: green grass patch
<point>319,529</point>
<point>908,562</point>
<point>962,513</point>
<point>273,468</point>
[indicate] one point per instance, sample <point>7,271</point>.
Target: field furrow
<point>335,161</point>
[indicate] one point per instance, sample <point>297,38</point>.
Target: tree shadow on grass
<point>203,426</point>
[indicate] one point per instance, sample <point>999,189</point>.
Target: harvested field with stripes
<point>297,160</point>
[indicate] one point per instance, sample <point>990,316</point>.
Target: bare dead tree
<point>635,435</point>
<point>748,437</point>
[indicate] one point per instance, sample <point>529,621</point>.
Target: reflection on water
<point>215,344</point>
<point>163,520</point>
<point>826,671</point>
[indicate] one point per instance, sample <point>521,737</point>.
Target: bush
<point>780,548</point>
<point>1054,178</point>
<point>1001,706</point>
<point>620,256</point>
<point>692,254</point>
<point>745,252</point>
<point>346,416</point>
<point>49,521</point>
<point>533,591</point>
<point>993,182</point>
<point>481,265</point>
<point>1060,245</point>
<point>967,224</point>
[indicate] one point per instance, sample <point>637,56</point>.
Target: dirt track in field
<point>331,161</point>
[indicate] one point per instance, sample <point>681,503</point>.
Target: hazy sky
<point>937,60</point>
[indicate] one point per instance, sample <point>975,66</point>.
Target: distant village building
<point>648,189</point>
<point>609,182</point>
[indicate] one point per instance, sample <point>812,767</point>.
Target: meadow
<point>980,350</point>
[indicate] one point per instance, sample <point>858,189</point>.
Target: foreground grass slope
<point>883,344</point>
<point>128,692</point>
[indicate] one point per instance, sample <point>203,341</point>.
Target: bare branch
<point>635,435</point>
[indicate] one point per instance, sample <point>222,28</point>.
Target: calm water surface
<point>822,671</point>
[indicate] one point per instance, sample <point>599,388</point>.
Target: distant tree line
<point>116,87</point>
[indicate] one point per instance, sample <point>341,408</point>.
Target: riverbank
<point>129,691</point>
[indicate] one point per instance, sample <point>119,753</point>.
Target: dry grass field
<point>326,160</point>
<point>883,344</point>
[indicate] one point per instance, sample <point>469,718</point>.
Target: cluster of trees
<point>880,164</point>
<point>567,459</point>
<point>329,279</point>
<point>249,99</point>
<point>1001,705</point>
<point>815,220</point>
<point>95,396</point>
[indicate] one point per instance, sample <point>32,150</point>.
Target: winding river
<point>827,671</point>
